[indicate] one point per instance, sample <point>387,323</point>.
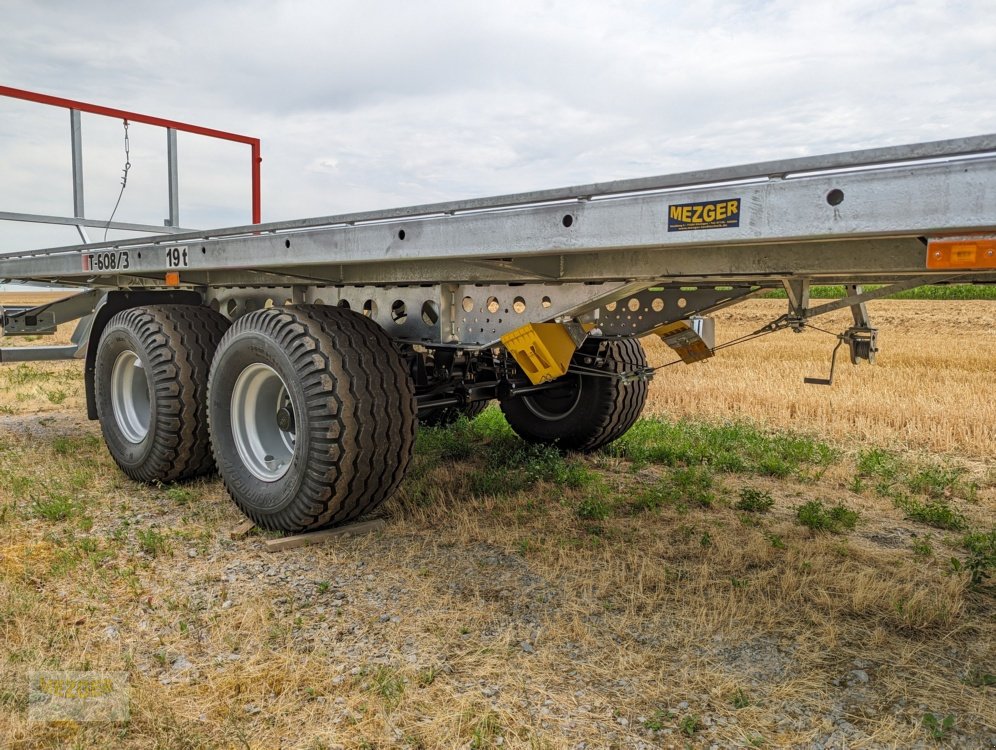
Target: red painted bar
<point>95,109</point>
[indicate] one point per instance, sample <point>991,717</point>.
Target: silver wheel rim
<point>261,408</point>
<point>131,401</point>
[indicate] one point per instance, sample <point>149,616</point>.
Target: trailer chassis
<point>428,312</point>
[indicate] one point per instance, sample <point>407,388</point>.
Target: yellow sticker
<point>722,214</point>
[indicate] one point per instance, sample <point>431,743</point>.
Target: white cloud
<point>365,105</point>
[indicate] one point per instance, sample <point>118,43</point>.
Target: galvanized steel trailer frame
<point>453,283</point>
<point>464,273</point>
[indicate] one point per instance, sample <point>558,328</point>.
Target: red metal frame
<point>95,109</point>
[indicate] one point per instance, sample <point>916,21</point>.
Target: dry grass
<point>627,609</point>
<point>929,388</point>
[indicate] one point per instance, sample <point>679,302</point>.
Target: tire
<point>444,416</point>
<point>312,416</point>
<point>588,411</point>
<point>151,373</point>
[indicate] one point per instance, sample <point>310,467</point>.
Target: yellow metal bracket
<point>544,350</point>
<point>685,341</point>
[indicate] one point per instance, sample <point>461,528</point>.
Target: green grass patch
<point>54,507</point>
<point>593,508</point>
<point>180,494</point>
<point>74,446</point>
<point>883,466</point>
<point>464,438</point>
<point>939,292</point>
<point>20,486</point>
<point>497,482</point>
<point>659,719</point>
<point>923,548</point>
<point>981,679</point>
<point>680,488</point>
<point>689,725</point>
<point>940,481</point>
<point>934,512</point>
<point>836,519</point>
<point>754,500</point>
<point>487,730</point>
<point>503,464</point>
<point>732,447</point>
<point>892,476</point>
<point>981,562</point>
<point>512,465</point>
<point>152,543</point>
<point>23,374</point>
<point>388,685</point>
<point>938,728</point>
<point>57,396</point>
<point>740,699</point>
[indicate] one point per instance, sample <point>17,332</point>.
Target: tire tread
<point>361,414</point>
<point>180,341</point>
<point>613,406</point>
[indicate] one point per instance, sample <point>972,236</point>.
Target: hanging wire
<point>647,372</point>
<point>124,178</point>
<point>732,342</point>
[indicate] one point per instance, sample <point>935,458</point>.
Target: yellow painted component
<point>686,343</point>
<point>669,328</point>
<point>543,350</point>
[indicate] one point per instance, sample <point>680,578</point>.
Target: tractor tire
<point>587,411</point>
<point>151,372</point>
<point>444,416</point>
<point>312,416</point>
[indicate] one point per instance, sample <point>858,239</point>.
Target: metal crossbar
<point>894,157</point>
<point>79,219</point>
<point>858,215</point>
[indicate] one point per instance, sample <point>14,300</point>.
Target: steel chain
<point>124,178</point>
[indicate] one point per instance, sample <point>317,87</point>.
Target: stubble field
<point>759,563</point>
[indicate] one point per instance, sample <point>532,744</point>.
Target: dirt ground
<point>662,593</point>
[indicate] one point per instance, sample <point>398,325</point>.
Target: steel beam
<point>80,222</point>
<point>172,176</point>
<point>22,321</point>
<point>76,136</point>
<point>882,214</point>
<point>37,353</point>
<point>894,157</point>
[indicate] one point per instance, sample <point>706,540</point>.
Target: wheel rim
<point>131,401</point>
<point>557,403</point>
<point>263,422</point>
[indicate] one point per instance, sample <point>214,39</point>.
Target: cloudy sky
<point>364,105</point>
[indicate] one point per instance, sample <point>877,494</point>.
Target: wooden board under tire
<point>324,535</point>
<point>242,530</point>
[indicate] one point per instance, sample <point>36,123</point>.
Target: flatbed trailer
<point>296,357</point>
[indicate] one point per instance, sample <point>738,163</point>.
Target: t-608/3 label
<point>111,260</point>
<point>706,215</point>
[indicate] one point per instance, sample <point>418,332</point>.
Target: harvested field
<point>928,389</point>
<point>812,574</point>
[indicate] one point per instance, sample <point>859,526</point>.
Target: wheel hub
<point>131,402</point>
<point>263,422</point>
<point>285,419</point>
<point>557,403</point>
